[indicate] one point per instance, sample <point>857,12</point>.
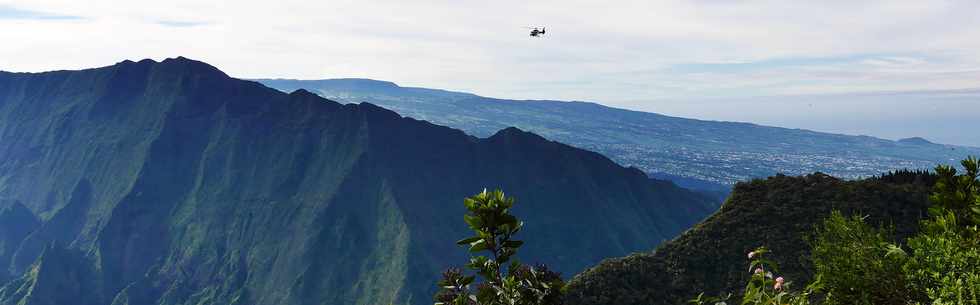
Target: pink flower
<point>751,254</point>
<point>758,270</point>
<point>779,283</point>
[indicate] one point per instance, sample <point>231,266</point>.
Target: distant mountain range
<point>933,114</point>
<point>172,183</point>
<point>694,153</point>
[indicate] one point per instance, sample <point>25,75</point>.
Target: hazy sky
<point>633,54</point>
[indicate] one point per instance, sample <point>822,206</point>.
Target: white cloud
<point>622,52</point>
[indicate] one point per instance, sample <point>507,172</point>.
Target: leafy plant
<point>945,257</point>
<point>942,265</point>
<point>504,281</point>
<point>765,287</point>
<point>958,194</point>
<point>858,263</point>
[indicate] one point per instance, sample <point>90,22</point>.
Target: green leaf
<point>474,221</point>
<point>893,250</point>
<point>467,280</point>
<point>479,245</point>
<point>468,240</point>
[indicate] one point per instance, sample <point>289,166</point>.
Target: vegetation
<point>944,261</point>
<point>858,264</point>
<point>177,184</point>
<point>942,265</point>
<point>172,183</point>
<point>779,213</point>
<point>765,286</point>
<point>501,284</point>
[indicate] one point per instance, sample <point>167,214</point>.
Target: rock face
<point>172,183</point>
<point>777,213</point>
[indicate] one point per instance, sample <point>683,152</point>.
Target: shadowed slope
<point>184,186</point>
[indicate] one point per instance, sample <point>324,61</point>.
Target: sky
<point>712,59</point>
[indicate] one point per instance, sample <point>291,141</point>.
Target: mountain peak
<point>302,93</point>
<point>227,153</point>
<point>179,63</point>
<point>516,133</point>
<point>179,59</point>
<point>915,140</point>
<point>194,66</point>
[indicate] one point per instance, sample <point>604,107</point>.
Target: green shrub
<point>858,263</point>
<point>958,194</point>
<point>765,287</point>
<point>855,263</point>
<point>944,262</point>
<point>502,283</point>
<point>942,266</point>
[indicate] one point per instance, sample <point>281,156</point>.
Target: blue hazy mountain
<point>693,153</point>
<point>936,115</point>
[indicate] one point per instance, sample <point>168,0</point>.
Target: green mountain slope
<point>172,183</point>
<point>16,222</point>
<point>698,154</point>
<point>777,213</point>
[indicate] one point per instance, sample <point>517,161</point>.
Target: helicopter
<point>536,32</point>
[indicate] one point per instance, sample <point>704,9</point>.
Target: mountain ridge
<point>703,154</point>
<point>171,183</point>
<point>394,85</point>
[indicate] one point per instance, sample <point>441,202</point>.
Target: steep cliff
<point>177,184</point>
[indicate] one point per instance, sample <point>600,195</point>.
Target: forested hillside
<point>778,213</point>
<point>172,183</point>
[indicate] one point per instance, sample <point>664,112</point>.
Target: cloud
<point>180,24</point>
<point>13,13</point>
<point>881,60</point>
<point>623,54</point>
